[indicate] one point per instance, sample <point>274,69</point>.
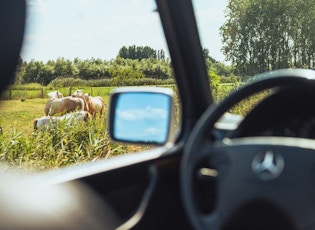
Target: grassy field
<point>18,115</point>
<point>21,146</point>
<point>63,145</point>
<point>32,92</point>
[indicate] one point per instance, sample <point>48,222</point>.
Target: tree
<point>160,55</point>
<point>123,52</point>
<point>140,52</point>
<point>32,72</point>
<point>92,68</point>
<point>64,67</point>
<point>262,35</point>
<point>38,72</point>
<point>47,73</point>
<point>207,56</point>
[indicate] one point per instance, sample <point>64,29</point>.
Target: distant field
<point>41,92</point>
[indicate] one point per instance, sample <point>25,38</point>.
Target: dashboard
<point>288,112</point>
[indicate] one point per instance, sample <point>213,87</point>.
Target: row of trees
<point>121,68</point>
<point>140,52</point>
<point>261,35</point>
<point>91,69</point>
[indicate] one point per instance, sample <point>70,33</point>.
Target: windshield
<point>92,47</point>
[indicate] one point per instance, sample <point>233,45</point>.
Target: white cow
<point>55,94</point>
<point>98,104</point>
<point>45,122</point>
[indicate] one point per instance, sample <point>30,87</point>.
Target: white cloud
<point>153,131</point>
<point>148,113</point>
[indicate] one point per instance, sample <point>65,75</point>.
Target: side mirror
<point>142,115</point>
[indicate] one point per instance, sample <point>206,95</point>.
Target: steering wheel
<point>261,182</point>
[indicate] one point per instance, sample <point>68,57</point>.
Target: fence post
<point>10,94</point>
<point>70,91</point>
<point>42,92</point>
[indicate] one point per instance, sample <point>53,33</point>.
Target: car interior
<point>259,175</point>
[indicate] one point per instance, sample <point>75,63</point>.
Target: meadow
<point>20,114</point>
<point>23,147</point>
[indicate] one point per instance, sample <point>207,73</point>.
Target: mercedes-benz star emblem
<point>267,165</point>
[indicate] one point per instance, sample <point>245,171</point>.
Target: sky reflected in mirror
<point>142,116</point>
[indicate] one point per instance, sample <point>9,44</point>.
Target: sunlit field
<point>18,115</point>
<point>62,145</point>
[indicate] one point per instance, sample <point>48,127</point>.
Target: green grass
<point>19,115</point>
<point>60,146</point>
<point>63,145</point>
<point>31,92</point>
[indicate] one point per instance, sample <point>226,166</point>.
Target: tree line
<point>131,64</point>
<point>141,52</point>
<point>91,69</point>
<point>262,35</point>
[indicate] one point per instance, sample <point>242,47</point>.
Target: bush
<point>118,81</point>
<point>30,86</point>
<point>67,82</point>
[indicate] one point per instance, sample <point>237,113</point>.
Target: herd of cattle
<point>71,109</point>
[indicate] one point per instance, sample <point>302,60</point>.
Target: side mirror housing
<point>142,115</point>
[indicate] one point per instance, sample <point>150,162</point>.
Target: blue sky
<point>142,117</point>
<point>98,28</point>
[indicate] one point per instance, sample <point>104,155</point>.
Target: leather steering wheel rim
<point>199,147</point>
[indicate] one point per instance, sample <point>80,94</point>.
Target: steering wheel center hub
<point>267,165</point>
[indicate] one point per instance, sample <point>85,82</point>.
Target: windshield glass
<point>243,38</point>
<point>75,51</point>
<point>89,47</point>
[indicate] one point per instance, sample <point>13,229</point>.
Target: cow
<point>45,122</point>
<point>92,104</point>
<point>63,105</point>
<point>98,104</point>
<point>55,94</point>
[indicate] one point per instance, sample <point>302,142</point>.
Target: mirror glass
<point>142,117</point>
